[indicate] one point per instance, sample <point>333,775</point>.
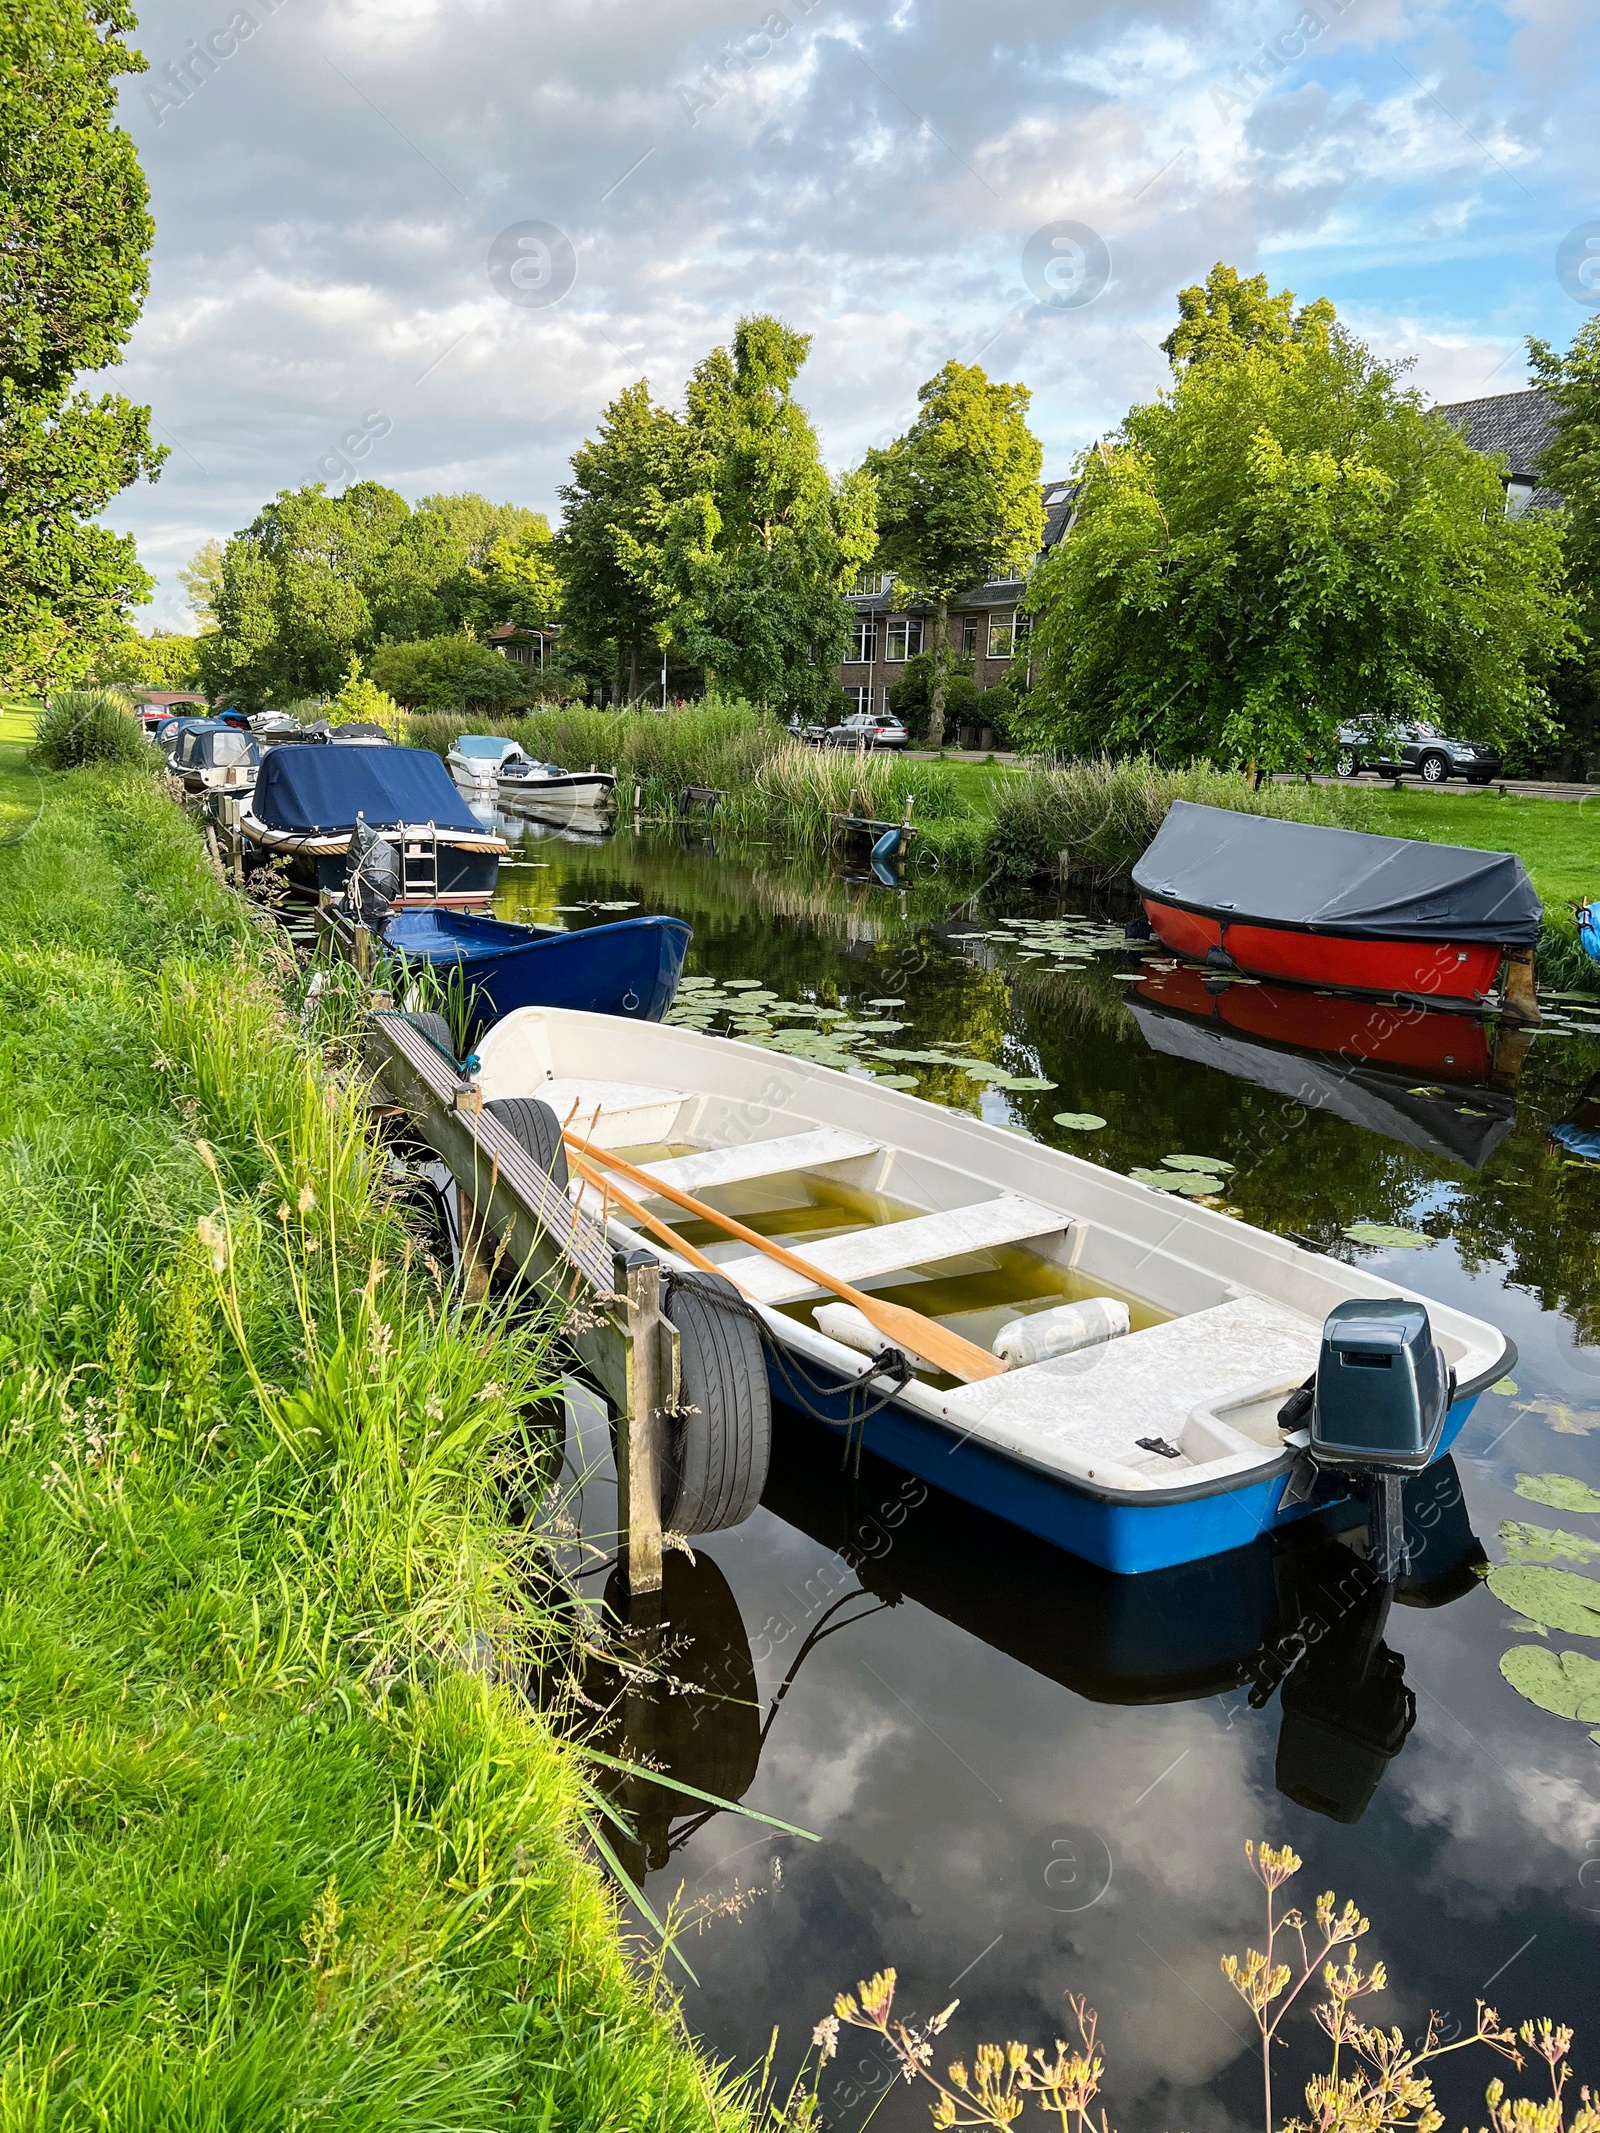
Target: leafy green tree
<point>958,501</point>
<point>911,697</point>
<point>163,660</point>
<point>360,701</point>
<point>315,579</point>
<point>1285,543</point>
<point>1224,315</point>
<point>763,543</point>
<point>201,579</point>
<point>1571,464</point>
<point>448,674</point>
<point>73,275</point>
<point>616,591</point>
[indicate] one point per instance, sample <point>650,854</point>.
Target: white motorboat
<point>1158,1353</point>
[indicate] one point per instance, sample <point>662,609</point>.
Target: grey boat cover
<point>1465,1123</point>
<point>1255,869</point>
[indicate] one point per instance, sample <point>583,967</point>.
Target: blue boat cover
<point>1257,869</point>
<point>320,788</point>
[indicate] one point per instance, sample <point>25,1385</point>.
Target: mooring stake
<point>639,1438</point>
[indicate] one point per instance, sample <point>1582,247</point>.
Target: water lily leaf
<point>1567,1683</point>
<point>1199,1162</point>
<point>1559,1599</point>
<point>895,1081</point>
<point>623,903</point>
<point>1080,1121</point>
<point>1388,1236</point>
<point>1565,1421</point>
<point>1029,1081</point>
<point>743,984</point>
<point>694,984</point>
<point>982,1070</point>
<point>1560,1491</point>
<point>1525,1543</point>
<point>1504,1385</point>
<point>1167,1180</point>
<point>886,1003</point>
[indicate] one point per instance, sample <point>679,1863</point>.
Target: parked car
<point>1420,750</point>
<point>867,729</point>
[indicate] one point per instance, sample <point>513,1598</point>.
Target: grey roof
<point>1519,425</point>
<point>998,592</point>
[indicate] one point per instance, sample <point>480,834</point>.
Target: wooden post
<point>1519,992</point>
<point>638,1439</point>
<point>361,948</point>
<point>474,1266</point>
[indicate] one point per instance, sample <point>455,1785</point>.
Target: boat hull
<point>1128,1539</point>
<point>1432,970</point>
<point>630,969</point>
<point>588,792</point>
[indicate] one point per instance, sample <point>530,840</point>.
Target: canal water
<point>1026,1779</point>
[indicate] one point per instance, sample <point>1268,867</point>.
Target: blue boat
<point>631,968</point>
<point>1145,1380</point>
<point>1589,932</point>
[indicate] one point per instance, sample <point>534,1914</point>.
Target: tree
<point>360,702</point>
<point>201,579</point>
<point>1285,543</point>
<point>163,660</point>
<point>448,674</point>
<point>73,276</point>
<point>1224,315</point>
<point>763,543</point>
<point>316,579</point>
<point>958,501</point>
<point>1571,464</point>
<point>615,587</point>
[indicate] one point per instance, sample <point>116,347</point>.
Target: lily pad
<point>1183,1181</point>
<point>1557,1599</point>
<point>744,984</point>
<point>1029,1081</point>
<point>886,1003</point>
<point>1525,1543</point>
<point>622,903</point>
<point>983,1070</point>
<point>1567,1683</point>
<point>1560,1491</point>
<point>895,1081</point>
<point>1080,1121</point>
<point>1504,1385</point>
<point>1565,1421</point>
<point>1200,1162</point>
<point>1388,1236</point>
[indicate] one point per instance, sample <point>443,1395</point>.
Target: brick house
<point>984,624</point>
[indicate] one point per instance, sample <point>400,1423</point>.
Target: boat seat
<point>894,1247</point>
<point>763,1159</point>
<point>612,1114</point>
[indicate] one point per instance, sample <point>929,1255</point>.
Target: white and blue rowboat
<point>491,768</point>
<point>1156,1443</point>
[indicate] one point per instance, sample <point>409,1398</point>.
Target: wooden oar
<point>905,1327</point>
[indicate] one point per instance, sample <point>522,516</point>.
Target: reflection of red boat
<point>1340,907</point>
<point>1434,1078</point>
<point>1445,1045</point>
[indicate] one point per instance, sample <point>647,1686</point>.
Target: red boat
<point>1341,907</point>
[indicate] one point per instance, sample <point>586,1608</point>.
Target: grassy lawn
<point>286,1847</point>
<point>16,723</point>
<point>1558,841</point>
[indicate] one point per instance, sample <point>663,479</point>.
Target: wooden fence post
<point>1520,995</point>
<point>639,1438</point>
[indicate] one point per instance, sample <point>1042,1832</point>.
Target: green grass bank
<point>284,1847</point>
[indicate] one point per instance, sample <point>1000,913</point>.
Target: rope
<point>800,1389</point>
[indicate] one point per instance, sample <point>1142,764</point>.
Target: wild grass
<point>1094,818</point>
<point>1374,2082</point>
<point>80,726</point>
<point>285,1845</point>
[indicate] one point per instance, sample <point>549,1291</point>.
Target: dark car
<point>1420,751</point>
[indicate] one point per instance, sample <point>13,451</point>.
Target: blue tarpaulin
<point>322,788</point>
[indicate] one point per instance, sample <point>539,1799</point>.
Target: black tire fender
<point>534,1126</point>
<point>717,1445</point>
<point>435,1028</point>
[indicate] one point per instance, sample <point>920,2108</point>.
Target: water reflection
<point>1361,1060</point>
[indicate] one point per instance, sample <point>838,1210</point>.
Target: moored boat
<point>630,968</point>
<point>213,757</point>
<point>1143,1401</point>
<point>310,801</point>
<point>475,760</point>
<point>547,788</point>
<point>1338,907</point>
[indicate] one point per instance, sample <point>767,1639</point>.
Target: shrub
<point>360,702</point>
<point>81,726</point>
<point>447,674</point>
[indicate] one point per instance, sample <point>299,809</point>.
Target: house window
<point>857,698</point>
<point>905,640</point>
<point>1002,630</point>
<point>969,634</point>
<point>1519,494</point>
<point>873,581</point>
<point>865,649</point>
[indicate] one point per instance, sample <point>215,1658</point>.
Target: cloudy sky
<point>427,244</point>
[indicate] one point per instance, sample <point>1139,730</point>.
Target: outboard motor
<point>1379,1400</point>
<point>372,879</point>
